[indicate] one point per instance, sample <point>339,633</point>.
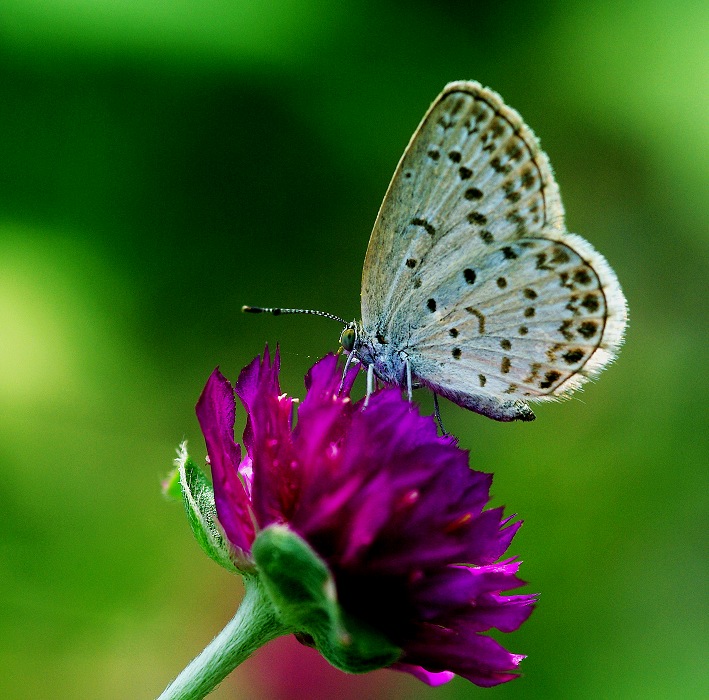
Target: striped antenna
<point>277,312</point>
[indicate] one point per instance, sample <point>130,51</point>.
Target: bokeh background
<point>163,163</point>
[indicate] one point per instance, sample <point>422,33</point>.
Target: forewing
<point>472,177</point>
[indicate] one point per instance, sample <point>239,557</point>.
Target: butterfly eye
<point>347,339</point>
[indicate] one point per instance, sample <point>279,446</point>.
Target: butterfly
<point>471,284</point>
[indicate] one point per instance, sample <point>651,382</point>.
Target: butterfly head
<point>348,337</point>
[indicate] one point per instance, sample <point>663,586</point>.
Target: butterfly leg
<point>370,384</point>
<point>348,362</point>
<point>409,390</point>
<point>437,413</point>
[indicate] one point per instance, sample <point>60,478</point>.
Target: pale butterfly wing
<point>539,319</point>
<point>470,272</point>
<point>466,164</point>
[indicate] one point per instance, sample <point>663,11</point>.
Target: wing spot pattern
<point>573,356</point>
<point>533,373</point>
<point>475,217</point>
<point>565,330</point>
<point>590,303</point>
<point>425,225</point>
<point>549,379</point>
<point>480,316</point>
<point>473,193</point>
<point>588,329</point>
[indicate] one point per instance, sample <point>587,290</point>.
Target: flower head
<point>391,508</point>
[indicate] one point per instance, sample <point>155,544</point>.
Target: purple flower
<point>391,508</point>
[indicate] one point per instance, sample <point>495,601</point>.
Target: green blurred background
<point>163,163</point>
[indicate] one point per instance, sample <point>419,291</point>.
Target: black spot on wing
<point>549,378</point>
<point>475,217</point>
<point>590,303</point>
<point>582,277</point>
<point>480,316</point>
<point>565,329</point>
<point>573,356</point>
<point>500,167</point>
<point>425,225</point>
<point>559,256</point>
<point>588,329</point>
<point>469,275</point>
<point>473,193</point>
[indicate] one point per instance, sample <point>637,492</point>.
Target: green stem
<point>254,624</point>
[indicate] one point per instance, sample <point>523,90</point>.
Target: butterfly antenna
<point>277,312</point>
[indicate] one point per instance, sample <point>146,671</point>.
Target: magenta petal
<point>275,486</point>
<point>452,589</point>
<point>486,541</point>
<point>480,659</point>
<point>505,613</point>
<point>429,678</point>
<point>257,378</point>
<point>215,413</point>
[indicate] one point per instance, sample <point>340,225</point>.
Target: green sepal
<point>198,498</point>
<point>304,595</point>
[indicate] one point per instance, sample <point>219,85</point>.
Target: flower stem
<point>254,624</point>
